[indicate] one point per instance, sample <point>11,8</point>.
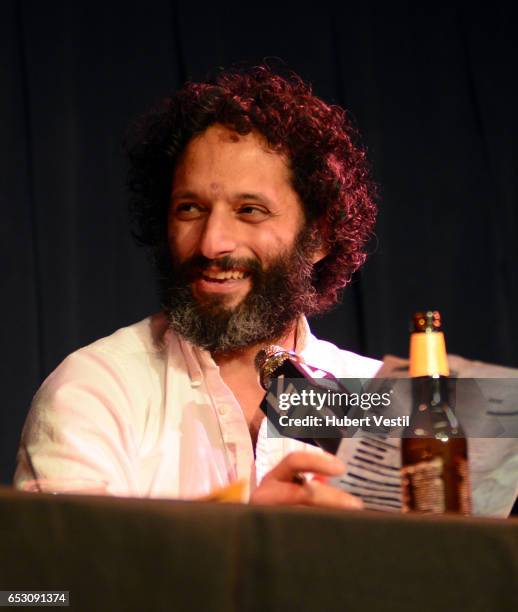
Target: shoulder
<point>148,336</point>
<point>140,345</point>
<point>126,358</point>
<point>337,361</point>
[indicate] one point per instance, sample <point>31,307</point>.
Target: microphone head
<point>267,360</point>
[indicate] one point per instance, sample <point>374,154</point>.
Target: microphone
<point>277,365</point>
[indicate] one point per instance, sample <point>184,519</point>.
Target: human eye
<point>252,212</point>
<point>188,210</point>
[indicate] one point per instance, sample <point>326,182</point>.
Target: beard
<point>280,292</point>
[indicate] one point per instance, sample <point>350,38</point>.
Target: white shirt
<point>149,413</point>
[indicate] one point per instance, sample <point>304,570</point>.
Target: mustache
<point>192,268</point>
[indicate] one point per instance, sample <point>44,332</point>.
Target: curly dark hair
<point>329,168</point>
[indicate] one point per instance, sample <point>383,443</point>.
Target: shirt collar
<point>199,360</point>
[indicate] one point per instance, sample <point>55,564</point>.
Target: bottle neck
<point>428,354</point>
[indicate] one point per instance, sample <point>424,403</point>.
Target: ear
<point>318,254</point>
<point>319,233</point>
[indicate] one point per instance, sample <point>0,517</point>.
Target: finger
<point>319,494</point>
<point>320,478</point>
<point>311,493</point>
<point>276,492</point>
<point>300,461</point>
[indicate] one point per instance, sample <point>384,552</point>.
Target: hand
<point>284,486</point>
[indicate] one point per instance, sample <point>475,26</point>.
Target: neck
<point>247,356</point>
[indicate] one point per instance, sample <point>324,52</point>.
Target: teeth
<point>230,274</point>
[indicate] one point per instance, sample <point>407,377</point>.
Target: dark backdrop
<point>433,90</point>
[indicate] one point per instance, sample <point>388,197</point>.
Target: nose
<point>218,236</point>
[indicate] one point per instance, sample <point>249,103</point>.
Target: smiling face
<point>240,251</point>
<point>231,198</point>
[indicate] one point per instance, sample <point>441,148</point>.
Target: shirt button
<point>223,409</point>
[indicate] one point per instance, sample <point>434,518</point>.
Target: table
<point>131,554</point>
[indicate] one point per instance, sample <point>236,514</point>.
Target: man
<point>258,205</point>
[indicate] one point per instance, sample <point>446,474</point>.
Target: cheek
<point>181,241</point>
<point>278,239</point>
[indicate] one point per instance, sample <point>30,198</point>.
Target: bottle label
<point>428,354</point>
<point>423,486</point>
<point>464,487</point>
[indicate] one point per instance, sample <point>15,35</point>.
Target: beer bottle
<point>435,476</point>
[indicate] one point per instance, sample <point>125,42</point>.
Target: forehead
<point>219,160</point>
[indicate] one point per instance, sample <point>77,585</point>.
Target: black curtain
<point>432,89</point>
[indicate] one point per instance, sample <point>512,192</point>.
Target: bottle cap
<point>426,321</point>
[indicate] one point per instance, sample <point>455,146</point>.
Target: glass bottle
<point>435,474</point>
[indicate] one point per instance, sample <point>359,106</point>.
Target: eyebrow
<point>183,194</point>
<point>256,197</point>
